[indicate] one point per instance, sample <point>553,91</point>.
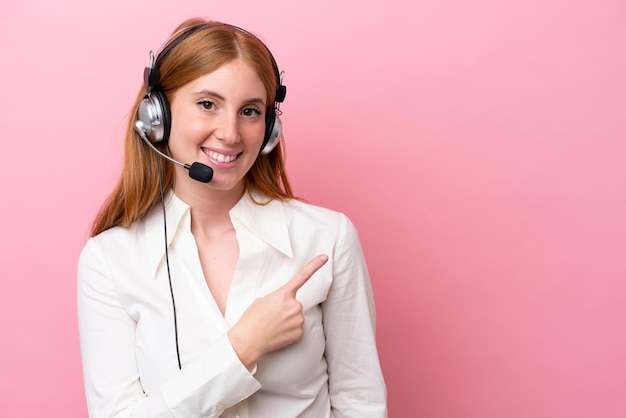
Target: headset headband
<point>151,75</point>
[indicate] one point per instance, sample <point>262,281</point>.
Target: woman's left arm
<point>356,383</point>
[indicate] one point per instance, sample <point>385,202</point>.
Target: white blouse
<point>126,319</point>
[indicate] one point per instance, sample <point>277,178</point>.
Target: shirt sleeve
<point>206,385</point>
<point>356,384</point>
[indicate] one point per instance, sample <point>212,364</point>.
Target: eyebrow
<point>255,100</point>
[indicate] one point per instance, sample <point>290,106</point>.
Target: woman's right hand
<point>273,321</point>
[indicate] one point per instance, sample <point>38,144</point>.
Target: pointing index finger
<point>304,274</point>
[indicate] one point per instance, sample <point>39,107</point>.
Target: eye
<point>251,112</point>
<point>206,104</point>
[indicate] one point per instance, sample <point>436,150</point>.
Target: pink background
<point>479,146</point>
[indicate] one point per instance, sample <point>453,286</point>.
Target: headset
<point>154,115</point>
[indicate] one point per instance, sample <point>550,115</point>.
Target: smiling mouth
<point>221,157</point>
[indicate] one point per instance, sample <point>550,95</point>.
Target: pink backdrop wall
<point>479,146</point>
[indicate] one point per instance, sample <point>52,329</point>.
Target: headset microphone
<point>197,171</point>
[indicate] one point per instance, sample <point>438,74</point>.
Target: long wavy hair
<point>212,45</point>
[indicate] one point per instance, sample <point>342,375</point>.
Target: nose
<point>227,128</point>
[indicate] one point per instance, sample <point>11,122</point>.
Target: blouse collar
<point>261,216</point>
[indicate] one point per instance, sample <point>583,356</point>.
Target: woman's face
<point>219,120</point>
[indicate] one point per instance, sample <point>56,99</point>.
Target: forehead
<point>235,79</point>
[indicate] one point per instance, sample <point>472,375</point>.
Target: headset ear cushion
<point>273,129</point>
<point>154,115</point>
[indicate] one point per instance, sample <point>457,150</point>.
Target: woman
<point>206,289</point>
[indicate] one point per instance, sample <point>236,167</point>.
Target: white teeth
<point>221,157</point>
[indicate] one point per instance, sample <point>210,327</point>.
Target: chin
<point>225,185</point>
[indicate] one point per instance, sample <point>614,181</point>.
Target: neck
<point>209,207</point>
